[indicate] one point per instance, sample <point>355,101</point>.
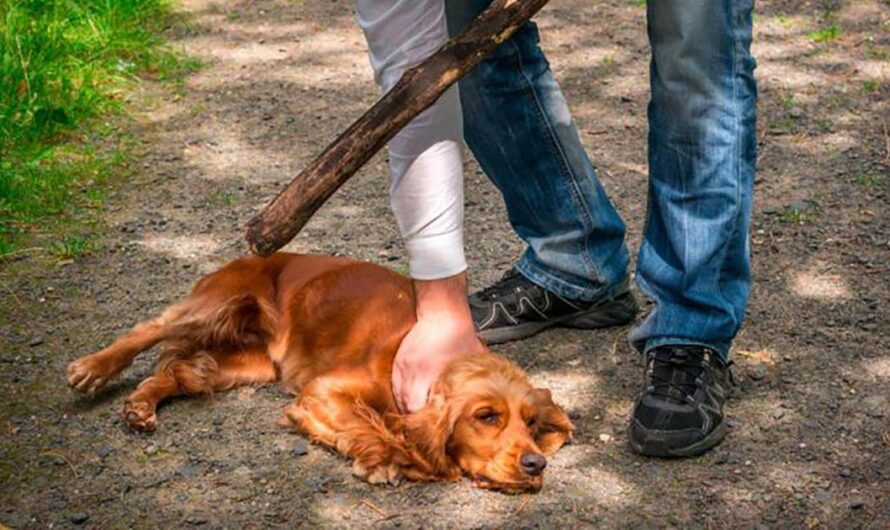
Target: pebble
<point>37,341</point>
<point>79,517</point>
<point>191,470</point>
<point>605,438</point>
<point>756,373</point>
<point>876,406</point>
<point>152,450</point>
<point>857,504</point>
<point>196,520</point>
<point>300,449</point>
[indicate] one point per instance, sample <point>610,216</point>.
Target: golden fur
<point>328,329</point>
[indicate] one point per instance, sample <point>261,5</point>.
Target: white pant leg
<point>425,157</point>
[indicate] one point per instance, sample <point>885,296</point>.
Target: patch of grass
<point>223,198</point>
<point>784,21</point>
<point>799,213</point>
<point>65,67</point>
<point>786,98</point>
<point>826,34</point>
<point>870,180</point>
<point>72,247</point>
<point>870,86</point>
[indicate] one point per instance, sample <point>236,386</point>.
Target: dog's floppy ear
<point>554,425</point>
<point>426,434</point>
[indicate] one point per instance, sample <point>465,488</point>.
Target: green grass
<point>826,34</point>
<point>72,247</point>
<point>65,69</point>
<point>870,179</point>
<point>223,198</point>
<point>800,214</point>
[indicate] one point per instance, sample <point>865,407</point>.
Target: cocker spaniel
<point>328,328</point>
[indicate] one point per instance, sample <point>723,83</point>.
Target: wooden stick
<point>419,87</point>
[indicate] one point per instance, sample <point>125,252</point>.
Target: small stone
<point>756,373</point>
<point>152,450</point>
<point>300,448</point>
<point>876,406</point>
<point>778,414</point>
<point>605,438</point>
<point>857,504</point>
<point>36,341</point>
<point>846,473</point>
<point>811,424</point>
<point>196,520</point>
<point>79,517</point>
<point>218,420</point>
<point>191,471</point>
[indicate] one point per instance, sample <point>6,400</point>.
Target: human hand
<point>444,330</point>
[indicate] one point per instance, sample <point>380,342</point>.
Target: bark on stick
<point>283,218</point>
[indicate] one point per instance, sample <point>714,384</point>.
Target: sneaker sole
<point>657,446</point>
<point>612,312</point>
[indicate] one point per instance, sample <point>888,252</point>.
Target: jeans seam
<point>737,148</point>
<point>577,197</point>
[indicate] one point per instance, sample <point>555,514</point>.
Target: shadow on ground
<point>809,447</point>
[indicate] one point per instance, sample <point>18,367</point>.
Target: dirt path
<point>810,444</point>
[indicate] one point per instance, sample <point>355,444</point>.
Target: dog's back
<point>287,317</point>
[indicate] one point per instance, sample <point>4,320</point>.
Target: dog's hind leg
<point>227,318</point>
<point>90,372</point>
<point>182,373</point>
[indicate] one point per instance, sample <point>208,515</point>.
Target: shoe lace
<point>506,285</point>
<point>676,373</point>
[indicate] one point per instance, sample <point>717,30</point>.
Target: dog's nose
<point>533,463</point>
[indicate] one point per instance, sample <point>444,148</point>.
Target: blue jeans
<point>694,260</point>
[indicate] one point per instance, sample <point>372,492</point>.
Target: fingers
<point>398,389</point>
<point>411,391</point>
<point>418,393</point>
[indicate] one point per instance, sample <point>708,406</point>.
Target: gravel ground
<point>810,441</point>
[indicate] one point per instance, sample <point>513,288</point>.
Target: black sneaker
<point>514,308</point>
<point>680,411</point>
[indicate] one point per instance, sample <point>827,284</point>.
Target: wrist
<point>444,298</point>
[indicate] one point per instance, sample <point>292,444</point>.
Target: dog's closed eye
<point>487,416</point>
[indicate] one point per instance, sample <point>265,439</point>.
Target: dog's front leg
<point>337,411</point>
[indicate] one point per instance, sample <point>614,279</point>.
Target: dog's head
<point>485,420</point>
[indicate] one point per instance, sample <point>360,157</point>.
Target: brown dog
<point>328,329</point>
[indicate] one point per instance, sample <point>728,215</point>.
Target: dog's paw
<point>140,416</point>
<point>379,474</point>
<point>87,374</point>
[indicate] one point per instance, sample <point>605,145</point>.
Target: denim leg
<point>518,126</point>
<point>695,259</point>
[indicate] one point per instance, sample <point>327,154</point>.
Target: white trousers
<point>425,157</point>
